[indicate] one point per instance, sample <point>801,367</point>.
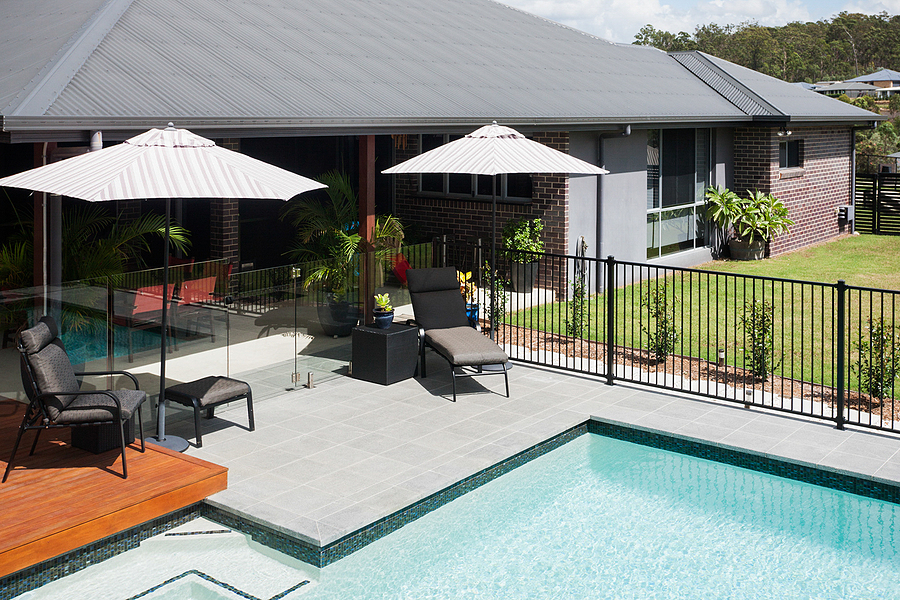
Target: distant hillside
<point>848,45</point>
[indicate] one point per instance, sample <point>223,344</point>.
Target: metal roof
<point>310,66</point>
<point>790,102</point>
<point>882,75</point>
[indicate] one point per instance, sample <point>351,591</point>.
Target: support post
<point>367,223</point>
<point>610,320</point>
<point>841,341</point>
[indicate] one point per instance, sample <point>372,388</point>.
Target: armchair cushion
<point>89,408</point>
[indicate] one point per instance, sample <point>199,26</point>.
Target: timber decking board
<point>62,498</point>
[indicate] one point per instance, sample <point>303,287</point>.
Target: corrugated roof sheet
<point>789,100</point>
<point>310,63</point>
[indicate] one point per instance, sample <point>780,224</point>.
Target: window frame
<point>785,155</point>
<point>655,214</point>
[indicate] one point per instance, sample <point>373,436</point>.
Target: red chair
<point>193,305</point>
<point>141,309</point>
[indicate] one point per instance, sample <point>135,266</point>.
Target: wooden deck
<point>62,498</point>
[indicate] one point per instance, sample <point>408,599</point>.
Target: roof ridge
<point>46,86</point>
<point>725,84</point>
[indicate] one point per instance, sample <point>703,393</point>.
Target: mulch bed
<point>696,369</point>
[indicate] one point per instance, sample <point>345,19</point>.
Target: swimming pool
<point>600,517</point>
<point>597,517</point>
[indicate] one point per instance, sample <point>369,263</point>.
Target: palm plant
<point>327,232</point>
<point>93,245</point>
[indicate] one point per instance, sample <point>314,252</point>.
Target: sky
<point>620,20</point>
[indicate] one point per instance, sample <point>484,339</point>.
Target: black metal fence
<point>824,350</point>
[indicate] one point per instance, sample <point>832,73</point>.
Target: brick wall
<point>465,218</point>
<point>224,219</point>
<point>812,193</point>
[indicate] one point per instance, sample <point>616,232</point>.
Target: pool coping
<point>320,556</point>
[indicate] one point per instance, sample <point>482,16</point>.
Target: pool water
<point>602,518</point>
<point>595,518</point>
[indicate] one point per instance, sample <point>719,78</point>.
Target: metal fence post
<point>841,300</point>
<point>610,320</point>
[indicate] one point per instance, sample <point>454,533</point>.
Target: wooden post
<point>367,224</point>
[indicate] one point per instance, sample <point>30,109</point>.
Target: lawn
<point>707,307</point>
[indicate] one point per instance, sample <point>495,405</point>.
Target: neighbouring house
<point>883,78</point>
<point>359,86</point>
<point>852,89</point>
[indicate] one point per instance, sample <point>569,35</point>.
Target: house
<point>883,78</point>
<point>852,89</point>
<point>360,85</point>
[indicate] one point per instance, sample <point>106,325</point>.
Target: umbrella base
<point>172,442</point>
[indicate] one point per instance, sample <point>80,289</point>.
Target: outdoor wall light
<point>784,131</point>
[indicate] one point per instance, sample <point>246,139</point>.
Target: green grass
<point>708,307</point>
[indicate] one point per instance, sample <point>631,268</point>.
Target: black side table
<point>385,356</point>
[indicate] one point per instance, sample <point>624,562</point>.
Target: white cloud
<point>620,20</point>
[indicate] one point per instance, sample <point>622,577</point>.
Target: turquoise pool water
<point>595,518</point>
<point>602,518</point>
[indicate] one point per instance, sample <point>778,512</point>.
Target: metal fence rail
<point>823,350</point>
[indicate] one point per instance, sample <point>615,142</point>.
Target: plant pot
<point>522,276</point>
<point>383,318</point>
<point>743,250</point>
<point>337,318</point>
<point>472,311</point>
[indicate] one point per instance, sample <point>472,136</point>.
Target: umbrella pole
<point>171,442</point>
<point>493,251</point>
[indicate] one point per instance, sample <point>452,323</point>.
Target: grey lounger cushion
<point>463,346</point>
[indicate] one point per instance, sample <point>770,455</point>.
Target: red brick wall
<point>465,218</point>
<point>812,194</point>
<point>224,220</point>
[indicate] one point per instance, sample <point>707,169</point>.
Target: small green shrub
<point>578,311</point>
<point>500,286</point>
<point>878,363</point>
<point>520,237</point>
<point>758,322</point>
<point>662,334</point>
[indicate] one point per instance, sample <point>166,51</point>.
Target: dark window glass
<point>678,167</point>
<point>432,182</point>
<point>518,185</point>
<point>789,154</point>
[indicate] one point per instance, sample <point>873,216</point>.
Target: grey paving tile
<point>351,518</point>
<point>341,455</point>
<point>305,445</point>
<point>412,453</point>
<point>303,469</point>
<point>339,433</point>
<point>870,445</point>
<point>889,471</point>
<point>851,463</point>
<point>303,499</point>
<point>266,486</point>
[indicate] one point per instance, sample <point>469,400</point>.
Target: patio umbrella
<point>163,163</point>
<point>494,150</point>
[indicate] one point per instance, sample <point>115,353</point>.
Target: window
<point>678,167</point>
<point>789,154</point>
<point>515,187</point>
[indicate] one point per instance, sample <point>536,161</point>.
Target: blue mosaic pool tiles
<point>81,558</point>
<point>369,534</point>
<point>221,584</point>
<point>757,462</point>
<point>322,556</point>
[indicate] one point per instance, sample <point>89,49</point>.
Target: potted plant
<point>383,311</point>
<point>753,220</point>
<point>327,236</point>
<point>469,290</point>
<point>521,243</point>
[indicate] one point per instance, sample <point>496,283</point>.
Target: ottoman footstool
<point>207,393</point>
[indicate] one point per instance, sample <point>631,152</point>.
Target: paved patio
<point>327,461</point>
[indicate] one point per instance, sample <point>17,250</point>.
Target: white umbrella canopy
<point>494,150</point>
<point>163,163</point>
